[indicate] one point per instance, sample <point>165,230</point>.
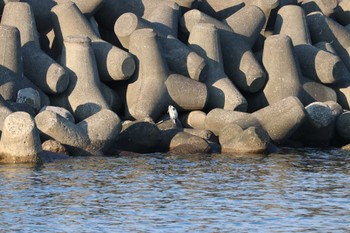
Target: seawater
<point>290,191</point>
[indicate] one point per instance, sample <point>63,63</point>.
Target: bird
<point>172,114</point>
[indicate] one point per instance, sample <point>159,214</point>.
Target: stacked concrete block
<point>180,58</point>
<point>20,142</point>
<point>53,126</point>
<point>282,119</point>
<point>112,62</point>
<point>5,110</point>
<point>319,126</point>
<point>103,129</point>
<point>280,55</point>
<point>327,7</point>
<point>150,90</point>
<point>234,139</point>
<point>30,97</point>
<point>315,63</point>
<point>239,62</point>
<point>194,119</point>
<point>38,66</point>
<point>204,39</point>
<point>12,65</point>
<point>342,12</point>
<point>85,95</point>
<point>323,28</point>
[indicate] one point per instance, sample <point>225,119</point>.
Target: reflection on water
<point>293,191</point>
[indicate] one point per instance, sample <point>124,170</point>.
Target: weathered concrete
<point>291,21</point>
<point>54,146</point>
<point>103,129</point>
<point>315,63</point>
<point>12,66</point>
<point>20,142</point>
<point>41,10</point>
<point>151,89</point>
<point>53,126</point>
<point>343,126</point>
<point>220,9</point>
<point>218,118</point>
<point>29,96</point>
<point>111,10</point>
<point>180,58</point>
<point>140,137</point>
<point>234,139</point>
<point>60,111</point>
<point>318,127</point>
<point>281,119</point>
<point>323,28</point>
<point>327,7</point>
<point>320,65</point>
<point>186,94</point>
<point>342,12</point>
<point>84,95</point>
<point>165,18</point>
<point>247,23</point>
<point>178,142</point>
<point>112,62</point>
<point>282,70</point>
<point>239,62</point>
<point>5,110</point>
<point>204,39</point>
<point>42,70</point>
<point>193,119</point>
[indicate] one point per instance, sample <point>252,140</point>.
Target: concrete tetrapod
<point>315,63</point>
<point>284,71</point>
<point>42,70</point>
<point>239,62</point>
<point>53,126</point>
<point>194,119</point>
<point>5,110</point>
<point>20,141</point>
<point>204,39</point>
<point>318,127</point>
<point>247,23</point>
<point>281,119</point>
<point>85,95</point>
<point>103,129</point>
<point>12,66</point>
<point>327,7</point>
<point>180,58</point>
<point>323,28</point>
<point>41,10</point>
<point>165,18</point>
<point>220,9</point>
<point>111,10</point>
<point>151,89</point>
<point>342,12</point>
<point>112,62</point>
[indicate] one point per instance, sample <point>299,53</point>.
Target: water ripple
<point>293,191</point>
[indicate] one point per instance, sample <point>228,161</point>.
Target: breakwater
<point>105,76</point>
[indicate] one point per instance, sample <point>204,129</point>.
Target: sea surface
<point>290,191</point>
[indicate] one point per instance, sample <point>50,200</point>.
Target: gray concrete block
<point>38,67</point>
<point>53,126</point>
<point>20,141</point>
<point>323,28</point>
<point>103,130</point>
<point>84,96</point>
<point>180,58</point>
<point>204,39</point>
<point>281,119</point>
<point>112,62</point>
<point>239,62</point>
